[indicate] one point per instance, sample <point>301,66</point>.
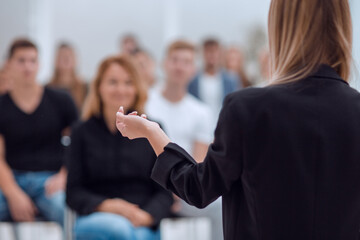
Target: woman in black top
<point>286,158</point>
<point>109,183</point>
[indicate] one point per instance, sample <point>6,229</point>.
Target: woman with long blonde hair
<point>286,157</point>
<point>109,183</point>
<point>65,74</point>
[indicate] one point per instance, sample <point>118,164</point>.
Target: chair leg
<point>15,229</point>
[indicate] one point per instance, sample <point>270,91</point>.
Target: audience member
<point>65,75</point>
<point>235,64</point>
<point>146,67</point>
<point>108,187</point>
<point>128,45</point>
<point>185,118</point>
<point>213,83</point>
<point>32,119</point>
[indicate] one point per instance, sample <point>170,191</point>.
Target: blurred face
<point>180,66</point>
<point>212,56</point>
<point>146,67</point>
<point>233,60</point>
<point>23,66</point>
<point>116,88</point>
<point>128,46</point>
<point>65,59</point>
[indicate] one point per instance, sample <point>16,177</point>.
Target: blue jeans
<point>33,184</point>
<point>108,226</point>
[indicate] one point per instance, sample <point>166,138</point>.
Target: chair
<point>185,228</point>
<point>39,230</point>
<point>69,223</point>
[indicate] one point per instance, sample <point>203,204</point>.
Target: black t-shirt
<point>33,141</point>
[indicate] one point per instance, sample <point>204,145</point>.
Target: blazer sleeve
<point>78,197</point>
<point>201,184</point>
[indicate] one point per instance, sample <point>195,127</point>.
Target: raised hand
<point>132,125</point>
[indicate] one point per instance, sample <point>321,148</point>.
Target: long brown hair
<point>93,104</point>
<point>304,34</point>
<point>239,69</point>
<point>77,87</point>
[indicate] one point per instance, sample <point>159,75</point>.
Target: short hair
<point>180,45</point>
<point>20,43</point>
<point>211,42</point>
<point>127,37</point>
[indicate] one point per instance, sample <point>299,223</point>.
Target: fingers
<point>144,116</point>
<point>121,109</point>
<point>25,213</point>
<point>50,187</point>
<point>120,117</point>
<point>134,113</point>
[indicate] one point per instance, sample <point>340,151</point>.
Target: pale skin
<point>65,63</point>
<point>212,57</point>
<point>179,66</point>
<point>116,87</point>
<point>27,95</point>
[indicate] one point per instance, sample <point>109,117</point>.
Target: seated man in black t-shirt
<point>32,122</point>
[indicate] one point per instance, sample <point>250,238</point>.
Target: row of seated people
<point>106,177</point>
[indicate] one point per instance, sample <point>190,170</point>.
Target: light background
<point>94,27</point>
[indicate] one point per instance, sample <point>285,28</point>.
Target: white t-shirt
<point>185,122</point>
<point>211,93</point>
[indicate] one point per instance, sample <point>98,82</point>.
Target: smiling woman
<point>115,73</point>
<point>109,176</point>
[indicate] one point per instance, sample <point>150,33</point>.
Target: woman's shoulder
<point>254,95</point>
<point>251,101</point>
<point>85,125</point>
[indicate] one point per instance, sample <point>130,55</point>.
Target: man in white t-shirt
<point>186,120</point>
<point>213,83</point>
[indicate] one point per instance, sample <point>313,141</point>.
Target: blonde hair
<point>77,87</point>
<point>303,34</point>
<point>180,45</point>
<point>93,104</point>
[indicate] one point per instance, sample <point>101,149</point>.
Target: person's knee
<point>53,207</point>
<point>144,233</point>
<point>98,225</point>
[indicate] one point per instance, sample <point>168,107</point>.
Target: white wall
<point>94,26</point>
<point>14,16</point>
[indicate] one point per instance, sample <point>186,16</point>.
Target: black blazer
<point>286,160</point>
